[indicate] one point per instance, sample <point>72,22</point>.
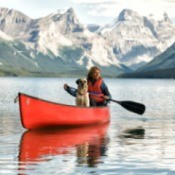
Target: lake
<point>130,144</point>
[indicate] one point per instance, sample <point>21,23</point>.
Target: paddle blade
<point>133,106</point>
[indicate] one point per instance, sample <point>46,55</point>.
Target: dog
<point>82,95</point>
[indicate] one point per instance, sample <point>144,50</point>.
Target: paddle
<point>129,105</point>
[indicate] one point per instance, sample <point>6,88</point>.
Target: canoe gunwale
<point>61,104</point>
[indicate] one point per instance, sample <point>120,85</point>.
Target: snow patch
<point>5,37</point>
<point>36,64</point>
<point>32,55</point>
<point>51,40</point>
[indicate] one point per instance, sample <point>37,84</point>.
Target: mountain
<point>60,37</point>
<point>59,45</point>
<point>14,23</point>
<point>162,66</point>
<point>20,62</point>
<point>165,60</point>
<point>136,40</point>
<point>16,59</point>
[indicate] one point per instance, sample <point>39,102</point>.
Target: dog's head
<point>82,82</point>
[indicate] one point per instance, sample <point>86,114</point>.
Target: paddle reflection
<point>135,133</point>
<point>40,145</point>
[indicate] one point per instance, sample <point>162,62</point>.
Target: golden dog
<point>82,96</point>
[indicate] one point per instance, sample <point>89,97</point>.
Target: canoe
<point>38,145</point>
<point>38,113</point>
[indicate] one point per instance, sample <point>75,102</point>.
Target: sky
<point>93,11</point>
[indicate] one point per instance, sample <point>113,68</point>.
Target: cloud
<point>103,9</point>
<point>112,8</point>
<point>36,8</point>
<point>93,10</point>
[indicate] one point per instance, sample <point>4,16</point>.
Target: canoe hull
<point>38,113</point>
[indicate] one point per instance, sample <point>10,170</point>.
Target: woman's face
<point>96,74</point>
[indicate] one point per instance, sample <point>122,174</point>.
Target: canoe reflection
<point>39,145</point>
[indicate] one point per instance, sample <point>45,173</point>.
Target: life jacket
<point>95,92</point>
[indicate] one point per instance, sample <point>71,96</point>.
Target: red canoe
<point>38,113</point>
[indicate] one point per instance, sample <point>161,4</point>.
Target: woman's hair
<point>91,71</point>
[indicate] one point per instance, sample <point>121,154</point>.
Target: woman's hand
<point>65,86</point>
<point>106,97</point>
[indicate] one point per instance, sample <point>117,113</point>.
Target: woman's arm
<point>105,90</point>
<point>70,90</point>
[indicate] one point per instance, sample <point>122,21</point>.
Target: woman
<point>98,91</point>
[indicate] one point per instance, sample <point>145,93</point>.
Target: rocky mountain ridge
<point>68,45</point>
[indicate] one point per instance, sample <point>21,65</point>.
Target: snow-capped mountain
<point>58,42</point>
<point>162,66</point>
<point>165,60</point>
<point>14,23</point>
<point>61,35</point>
<point>16,59</point>
<point>136,40</point>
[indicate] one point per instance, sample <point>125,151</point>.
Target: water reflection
<point>89,153</point>
<point>135,133</point>
<point>88,144</point>
<point>128,153</point>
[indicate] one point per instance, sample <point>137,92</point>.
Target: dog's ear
<point>78,81</point>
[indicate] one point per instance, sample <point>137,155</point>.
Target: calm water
<point>130,144</point>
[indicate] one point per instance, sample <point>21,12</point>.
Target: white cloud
<point>36,8</point>
<point>143,7</point>
<point>105,8</point>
